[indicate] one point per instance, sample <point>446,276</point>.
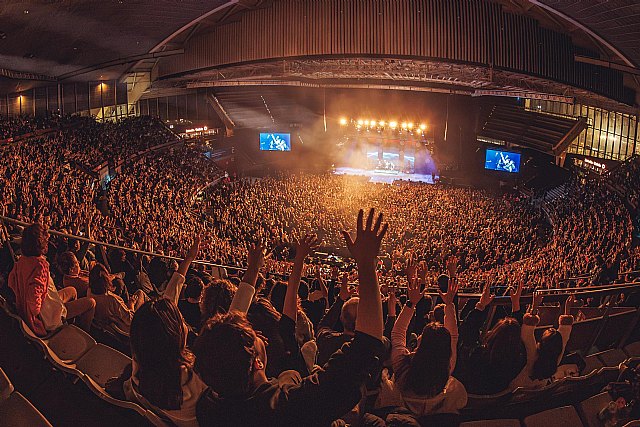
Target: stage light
<point>366,122</point>
<point>360,122</point>
<point>410,125</point>
<point>373,123</point>
<point>381,123</point>
<point>423,126</point>
<point>393,124</point>
<point>404,125</point>
<point>343,121</point>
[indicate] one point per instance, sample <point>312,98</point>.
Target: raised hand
<point>255,261</point>
<point>306,246</point>
<point>569,304</point>
<point>515,295</point>
<point>422,272</point>
<point>486,298</point>
<point>194,249</point>
<point>392,302</point>
<point>411,268</point>
<point>450,295</point>
<point>345,293</point>
<point>368,238</point>
<point>452,265</point>
<point>413,292</point>
<point>537,300</point>
<point>255,256</point>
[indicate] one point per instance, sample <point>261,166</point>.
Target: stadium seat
<point>101,363</point>
<point>492,423</point>
<point>612,357</point>
<point>615,327</point>
<point>590,408</point>
<point>582,335</point>
<point>605,375</point>
<point>70,343</point>
<point>633,349</point>
<point>17,411</point>
<point>632,362</point>
<point>523,395</point>
<point>483,401</point>
<point>593,363</point>
<point>99,391</point>
<point>6,388</point>
<point>564,416</point>
<point>571,385</point>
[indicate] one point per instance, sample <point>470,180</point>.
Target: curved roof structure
<point>616,22</point>
<point>43,41</point>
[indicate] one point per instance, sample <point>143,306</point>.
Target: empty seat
<point>492,423</point>
<point>70,343</point>
<point>593,363</point>
<point>615,328</point>
<point>633,349</point>
<point>590,408</point>
<point>582,335</point>
<point>606,375</point>
<point>612,357</point>
<point>101,363</point>
<point>16,411</point>
<point>564,416</point>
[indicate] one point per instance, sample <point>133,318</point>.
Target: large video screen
<point>504,161</point>
<point>275,141</point>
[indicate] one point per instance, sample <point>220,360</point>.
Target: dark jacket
<point>316,400</point>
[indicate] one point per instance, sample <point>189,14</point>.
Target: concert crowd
<point>294,337</point>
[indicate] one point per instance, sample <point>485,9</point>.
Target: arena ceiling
<point>44,41</point>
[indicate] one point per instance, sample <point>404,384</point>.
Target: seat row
<point>15,409</point>
<point>584,414</point>
<point>71,350</point>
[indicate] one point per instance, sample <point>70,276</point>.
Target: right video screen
<point>503,161</point>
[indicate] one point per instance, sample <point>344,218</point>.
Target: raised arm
<point>304,247</point>
<point>177,280</point>
<point>470,327</point>
<point>247,288</point>
<point>399,331</point>
<point>365,251</point>
<point>565,324</point>
<point>527,333</point>
<point>330,318</point>
<point>515,295</point>
<point>450,319</point>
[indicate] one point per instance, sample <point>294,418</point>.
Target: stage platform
<point>385,176</point>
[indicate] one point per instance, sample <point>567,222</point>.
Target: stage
<point>385,176</point>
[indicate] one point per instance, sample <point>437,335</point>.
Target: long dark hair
<point>504,348</point>
<point>35,240</point>
<point>99,280</point>
<point>216,298</point>
<point>549,351</point>
<point>158,345</point>
<point>428,372</point>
